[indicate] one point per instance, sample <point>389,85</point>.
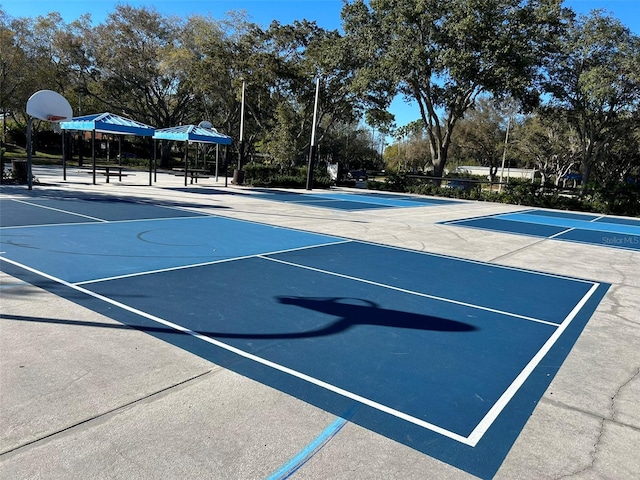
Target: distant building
<point>523,173</point>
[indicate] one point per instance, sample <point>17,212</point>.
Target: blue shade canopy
<point>192,133</point>
<point>108,123</point>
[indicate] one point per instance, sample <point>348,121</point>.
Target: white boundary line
<point>478,431</point>
<point>479,262</point>
<point>471,440</point>
<point>255,358</point>
<point>60,210</point>
<point>506,397</point>
<point>212,262</point>
<point>345,239</point>
<point>413,292</point>
<point>561,233</point>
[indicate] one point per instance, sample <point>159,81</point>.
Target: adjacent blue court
<point>354,201</point>
<point>446,355</point>
<point>338,201</point>
<point>592,229</point>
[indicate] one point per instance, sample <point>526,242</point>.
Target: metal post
<point>238,176</point>
<point>217,156</point>
<point>93,154</point>
<point>504,153</point>
<point>64,155</point>
<point>152,162</point>
<point>226,164</point>
<point>313,149</point>
<point>29,180</point>
<point>186,149</point>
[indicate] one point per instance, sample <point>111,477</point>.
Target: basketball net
<point>55,122</point>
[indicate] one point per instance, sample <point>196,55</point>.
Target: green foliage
<point>260,175</point>
<point>442,55</point>
<point>616,199</point>
<point>451,58</point>
<point>394,182</point>
<point>594,82</point>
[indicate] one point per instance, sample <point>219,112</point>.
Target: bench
<point>109,171</point>
<point>192,173</point>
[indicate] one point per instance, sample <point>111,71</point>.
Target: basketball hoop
<point>45,105</point>
<point>55,122</point>
<point>49,105</point>
<point>55,118</point>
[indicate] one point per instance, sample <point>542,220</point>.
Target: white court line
<point>479,262</point>
<point>345,239</point>
<point>255,358</point>
<point>555,235</point>
<point>413,292</point>
<point>212,262</point>
<point>471,440</point>
<point>506,397</point>
<point>195,215</point>
<point>60,210</point>
<point>561,233</point>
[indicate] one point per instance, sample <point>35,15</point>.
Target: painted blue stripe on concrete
<point>353,201</point>
<point>293,465</point>
<point>413,198</point>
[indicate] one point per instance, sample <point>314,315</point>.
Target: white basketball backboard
<point>49,105</point>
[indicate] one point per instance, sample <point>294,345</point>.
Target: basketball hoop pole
<point>29,180</point>
<point>44,105</point>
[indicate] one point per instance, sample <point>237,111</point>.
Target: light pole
<point>504,153</point>
<point>313,150</point>
<point>238,175</point>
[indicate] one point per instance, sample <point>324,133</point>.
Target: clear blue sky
<point>326,13</point>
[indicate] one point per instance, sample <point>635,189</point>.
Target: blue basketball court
<point>357,201</point>
<point>591,229</point>
<point>336,200</point>
<point>446,355</point>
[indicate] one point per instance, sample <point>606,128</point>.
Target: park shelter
<point>107,123</point>
<point>194,134</point>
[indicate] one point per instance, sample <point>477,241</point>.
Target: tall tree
<point>13,70</point>
<point>213,74</point>
<point>300,54</point>
<point>621,160</point>
<point>141,67</point>
<point>595,81</point>
<point>443,53</point>
<point>481,133</point>
<point>31,60</point>
<point>549,142</point>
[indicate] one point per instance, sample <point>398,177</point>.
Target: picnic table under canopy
<point>194,134</point>
<point>106,123</point>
